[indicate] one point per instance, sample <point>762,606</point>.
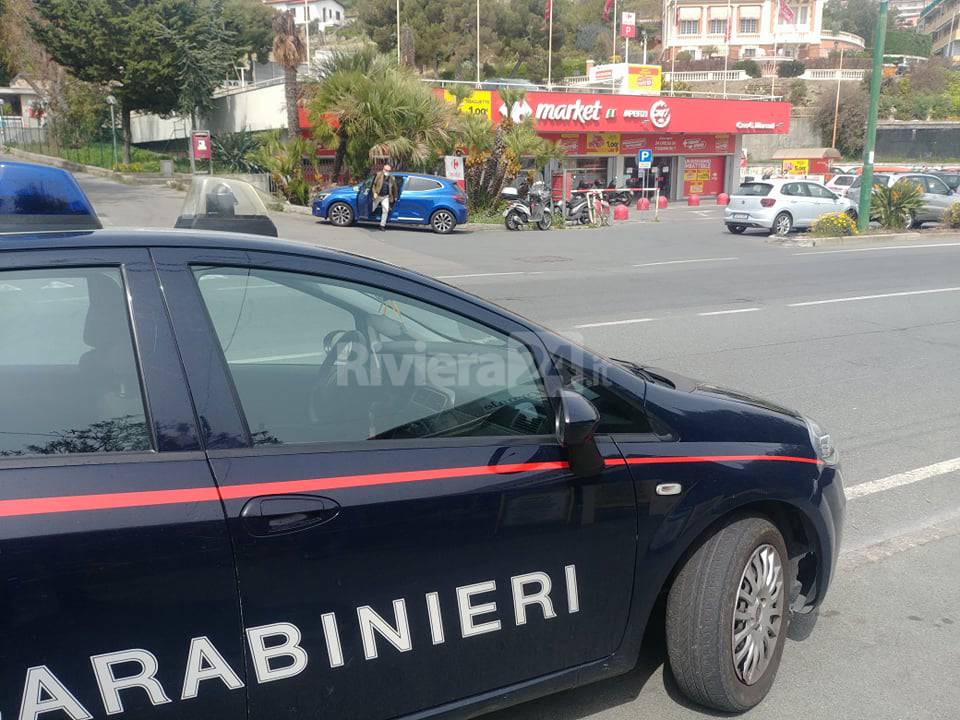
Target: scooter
<point>616,195</point>
<point>537,208</point>
<point>577,209</point>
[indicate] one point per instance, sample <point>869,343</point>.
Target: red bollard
<point>723,199</point>
<point>693,200</point>
<point>643,203</point>
<point>621,212</point>
<point>662,202</point>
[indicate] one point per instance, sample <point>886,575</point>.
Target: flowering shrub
<point>834,224</point>
<point>951,218</point>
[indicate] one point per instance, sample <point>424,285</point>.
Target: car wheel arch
<point>796,526</point>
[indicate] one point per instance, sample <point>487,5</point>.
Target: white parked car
<point>840,184</point>
<point>781,205</point>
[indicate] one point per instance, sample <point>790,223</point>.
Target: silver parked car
<point>781,205</point>
<point>937,196</point>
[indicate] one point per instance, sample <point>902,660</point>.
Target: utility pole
<point>398,32</point>
<point>836,104</point>
<point>876,75</point>
<point>726,47</point>
<point>306,29</point>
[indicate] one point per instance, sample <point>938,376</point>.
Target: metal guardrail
<point>601,87</point>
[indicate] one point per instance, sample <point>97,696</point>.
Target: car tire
<point>736,229</point>
<point>782,224</point>
<point>912,223</point>
<point>852,214</point>
<point>443,222</point>
<point>715,614</point>
<point>340,214</point>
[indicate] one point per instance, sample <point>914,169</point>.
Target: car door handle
<point>281,514</point>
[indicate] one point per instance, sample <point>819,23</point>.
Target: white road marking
<point>728,312</point>
<point>874,249</point>
<point>681,262</point>
<point>905,478</point>
<point>615,322</point>
<point>476,275</point>
<point>875,297</point>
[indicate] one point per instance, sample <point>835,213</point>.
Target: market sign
<point>554,112</point>
<point>630,144</point>
<point>799,166</point>
<point>644,78</point>
<point>479,102</point>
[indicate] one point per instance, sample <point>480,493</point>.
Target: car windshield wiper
<point>644,372</point>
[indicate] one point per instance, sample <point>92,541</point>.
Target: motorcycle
<point>536,209</point>
<point>617,196</point>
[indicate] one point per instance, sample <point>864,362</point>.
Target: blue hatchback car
<point>422,200</point>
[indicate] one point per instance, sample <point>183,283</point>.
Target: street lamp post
<point>876,75</point>
<point>111,101</point>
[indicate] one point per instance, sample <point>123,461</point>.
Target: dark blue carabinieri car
<point>243,478</point>
<point>422,200</point>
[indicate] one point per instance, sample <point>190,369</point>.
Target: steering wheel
<point>342,347</point>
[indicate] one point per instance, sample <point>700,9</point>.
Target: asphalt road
<point>866,340</point>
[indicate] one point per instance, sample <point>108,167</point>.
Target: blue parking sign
<point>644,159</point>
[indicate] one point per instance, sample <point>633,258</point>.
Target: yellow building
<point>941,20</point>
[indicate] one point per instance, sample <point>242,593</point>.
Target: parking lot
<point>864,339</point>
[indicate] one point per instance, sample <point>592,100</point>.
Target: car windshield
<point>755,189</point>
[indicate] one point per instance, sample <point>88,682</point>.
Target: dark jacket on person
<point>378,186</point>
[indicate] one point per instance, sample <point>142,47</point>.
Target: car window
<point>755,189</point>
<point>818,191</point>
<point>795,190</point>
<point>415,184</point>
<point>68,375</point>
<point>936,186</point>
<point>320,360</point>
<point>842,180</point>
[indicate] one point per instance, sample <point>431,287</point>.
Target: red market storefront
<point>696,143</point>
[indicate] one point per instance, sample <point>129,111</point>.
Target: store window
<point>749,26</point>
<point>689,27</point>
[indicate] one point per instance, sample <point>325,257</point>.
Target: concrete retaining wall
<point>803,133</point>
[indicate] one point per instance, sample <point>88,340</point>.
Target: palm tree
<point>378,110</point>
<point>288,51</point>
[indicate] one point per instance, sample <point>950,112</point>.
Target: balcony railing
<point>828,37</point>
<point>851,75</point>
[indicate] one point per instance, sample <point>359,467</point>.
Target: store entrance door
<point>662,170</point>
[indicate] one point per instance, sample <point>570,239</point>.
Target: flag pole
<point>398,33</point>
<point>306,30</point>
<point>550,47</point>
<point>478,43</point>
<point>836,104</point>
<point>726,49</point>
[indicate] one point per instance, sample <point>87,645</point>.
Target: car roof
<point>192,239</point>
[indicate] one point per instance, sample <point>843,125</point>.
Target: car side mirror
<point>576,426</point>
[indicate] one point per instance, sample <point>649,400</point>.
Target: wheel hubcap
<point>783,226</point>
<point>442,222</point>
<point>758,614</point>
<point>339,215</point>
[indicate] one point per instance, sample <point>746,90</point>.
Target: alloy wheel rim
<point>340,215</point>
<point>783,225</point>
<point>758,614</point>
<point>441,222</point>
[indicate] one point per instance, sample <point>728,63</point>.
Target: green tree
<point>126,45</point>
<point>907,41</point>
<point>852,119</point>
<point>250,22</point>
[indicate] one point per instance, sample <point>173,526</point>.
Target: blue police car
<point>422,200</point>
<point>243,478</point>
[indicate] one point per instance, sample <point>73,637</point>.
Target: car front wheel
<point>340,214</point>
<point>727,616</point>
<point>443,222</point>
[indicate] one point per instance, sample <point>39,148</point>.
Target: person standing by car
<point>384,194</point>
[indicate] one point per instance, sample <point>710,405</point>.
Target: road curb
<point>125,178</point>
<point>855,240</point>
